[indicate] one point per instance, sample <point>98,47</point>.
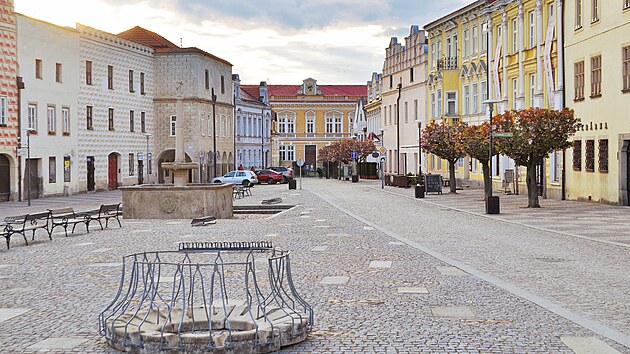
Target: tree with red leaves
<point>441,139</point>
<point>474,140</point>
<point>536,132</point>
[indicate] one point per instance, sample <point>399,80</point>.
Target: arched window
<point>310,122</point>
<point>286,122</point>
<point>334,122</point>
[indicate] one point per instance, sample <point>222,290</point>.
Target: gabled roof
<point>161,44</point>
<point>326,90</point>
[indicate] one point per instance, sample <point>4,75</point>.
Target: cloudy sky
<point>281,41</point>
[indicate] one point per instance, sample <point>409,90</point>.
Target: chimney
<point>264,92</point>
<point>237,85</point>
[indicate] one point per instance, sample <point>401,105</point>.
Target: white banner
<point>495,70</point>
<point>548,68</point>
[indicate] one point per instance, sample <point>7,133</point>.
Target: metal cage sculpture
<point>207,297</point>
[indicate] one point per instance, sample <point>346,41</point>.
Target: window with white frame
<point>484,37</point>
<point>514,93</point>
<point>287,152</point>
<point>433,112</point>
<point>475,39</point>
<point>514,36</point>
<point>406,112</point>
<point>466,41</point>
<point>391,116</point>
<point>532,29</point>
<point>484,92</point>
<point>172,130</point>
<point>626,4</point>
<point>65,121</point>
<point>210,131</point>
<point>578,14</point>
<point>32,116</point>
<point>3,110</point>
<point>451,103</point>
<point>50,115</point>
<point>475,98</point>
<point>286,122</point>
<point>334,121</point>
<point>439,103</point>
<point>415,110</point>
<point>594,10</point>
<point>433,57</point>
<point>466,99</point>
<point>532,89</point>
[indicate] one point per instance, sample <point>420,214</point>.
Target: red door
<point>112,171</point>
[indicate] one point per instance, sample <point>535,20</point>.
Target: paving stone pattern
<point>365,315</point>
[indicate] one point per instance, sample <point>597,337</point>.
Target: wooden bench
<point>65,217</point>
<point>23,223</point>
<point>106,212</point>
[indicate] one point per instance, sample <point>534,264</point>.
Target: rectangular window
<point>131,119</point>
<point>66,168</point>
<point>596,76</point>
<point>578,69</point>
<point>484,92</point>
<point>310,125</point>
<point>439,103</point>
<point>433,112</point>
<point>142,84</point>
<point>172,130</point>
<point>433,58</point>
<point>475,39</point>
<point>110,119</point>
<point>465,49</point>
<point>287,152</point>
<point>32,116</point>
<point>4,110</point>
<point>415,110</point>
<point>595,10</point>
<point>514,36</point>
<point>291,153</point>
<point>50,115</point>
<point>131,164</point>
<point>65,120</point>
<point>578,14</point>
<point>603,155</point>
<point>207,79</point>
<point>143,123</point>
<point>484,37</point>
<point>406,112</point>
<point>52,169</point>
<point>475,98</point>
<point>88,117</point>
<point>626,68</point>
<point>451,103</point>
<point>391,82</point>
<point>532,89</point>
<point>88,72</point>
<point>626,4</point>
<point>466,99</point>
<point>391,116</point>
<point>38,69</point>
<point>131,81</point>
<point>577,155</point>
<point>222,84</point>
<point>397,114</point>
<point>110,77</point>
<point>514,93</point>
<point>532,29</point>
<point>410,74</point>
<point>58,76</point>
<point>590,155</point>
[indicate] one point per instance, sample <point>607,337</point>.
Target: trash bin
<point>355,178</point>
<point>419,191</point>
<point>292,184</point>
<point>492,205</point>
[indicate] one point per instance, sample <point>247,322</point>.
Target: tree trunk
<point>451,176</point>
<point>487,179</point>
<point>532,189</point>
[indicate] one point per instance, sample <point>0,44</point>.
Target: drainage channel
<point>261,209</point>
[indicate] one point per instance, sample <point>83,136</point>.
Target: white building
<point>48,61</point>
<point>115,108</point>
<point>253,126</point>
<point>404,85</point>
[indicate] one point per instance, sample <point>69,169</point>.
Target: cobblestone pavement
<point>84,201</point>
<point>65,283</point>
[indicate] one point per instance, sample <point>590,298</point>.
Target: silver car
<point>237,177</point>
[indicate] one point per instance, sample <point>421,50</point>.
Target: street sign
<point>375,155</point>
<point>149,156</point>
<point>354,155</point>
<point>140,156</point>
<point>300,162</point>
<point>502,135</point>
<point>22,152</point>
<point>382,150</point>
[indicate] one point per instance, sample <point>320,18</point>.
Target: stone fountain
<point>179,200</point>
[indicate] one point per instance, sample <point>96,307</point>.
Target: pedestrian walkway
<point>83,201</point>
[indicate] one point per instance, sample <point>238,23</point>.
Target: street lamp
<point>492,202</point>
<point>29,131</point>
<point>382,158</point>
<point>214,132</point>
<point>355,176</point>
<point>398,130</point>
<point>420,180</point>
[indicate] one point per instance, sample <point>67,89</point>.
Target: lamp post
<point>398,130</point>
<point>148,135</point>
<point>492,202</point>
<point>355,176</point>
<point>214,133</point>
<point>420,180</point>
<point>28,163</point>
<point>382,159</point>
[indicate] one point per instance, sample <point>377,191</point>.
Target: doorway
<point>90,173</point>
<point>5,179</point>
<point>32,176</point>
<point>624,171</point>
<point>310,155</point>
<point>112,171</point>
<point>140,172</point>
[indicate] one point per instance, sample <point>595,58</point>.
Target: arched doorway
<point>5,179</point>
<point>112,171</point>
<point>231,162</point>
<point>224,164</point>
<point>166,176</point>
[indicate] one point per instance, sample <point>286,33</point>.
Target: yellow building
<point>526,70</point>
<point>310,116</point>
<point>597,57</point>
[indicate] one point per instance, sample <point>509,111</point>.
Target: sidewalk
<point>596,222</point>
<point>81,201</point>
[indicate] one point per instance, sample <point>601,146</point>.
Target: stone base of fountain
<point>159,201</point>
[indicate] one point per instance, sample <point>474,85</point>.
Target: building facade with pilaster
<point>9,123</point>
<point>253,125</point>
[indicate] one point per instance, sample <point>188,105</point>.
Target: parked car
<point>237,177</point>
<point>287,172</point>
<point>269,176</point>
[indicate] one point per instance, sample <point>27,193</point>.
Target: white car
<point>237,177</point>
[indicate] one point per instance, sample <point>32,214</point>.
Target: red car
<point>269,176</point>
